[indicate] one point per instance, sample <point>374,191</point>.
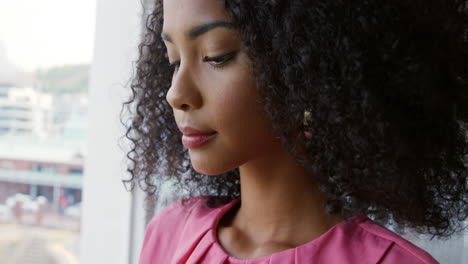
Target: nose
<point>183,94</point>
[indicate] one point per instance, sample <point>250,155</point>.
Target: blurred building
<point>69,116</point>
<point>46,168</point>
<point>28,111</point>
<point>24,111</point>
<point>8,70</point>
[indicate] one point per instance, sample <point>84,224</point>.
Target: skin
<point>281,206</point>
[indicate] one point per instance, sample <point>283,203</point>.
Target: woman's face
<point>213,88</point>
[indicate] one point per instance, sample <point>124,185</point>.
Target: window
<point>49,59</point>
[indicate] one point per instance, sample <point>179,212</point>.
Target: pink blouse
<point>186,235</point>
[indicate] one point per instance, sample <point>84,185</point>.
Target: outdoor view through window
<point>46,47</point>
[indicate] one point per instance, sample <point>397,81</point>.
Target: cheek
<point>236,99</point>
<point>241,118</point>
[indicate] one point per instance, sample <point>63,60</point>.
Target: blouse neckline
<point>225,208</point>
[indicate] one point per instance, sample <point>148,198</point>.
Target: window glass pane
<point>46,48</point>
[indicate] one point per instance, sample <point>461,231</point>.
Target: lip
<point>190,131</point>
<point>196,141</point>
<point>194,138</point>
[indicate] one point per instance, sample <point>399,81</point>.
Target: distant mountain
<point>64,79</point>
<point>61,79</point>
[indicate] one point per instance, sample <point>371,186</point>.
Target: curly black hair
<point>386,86</point>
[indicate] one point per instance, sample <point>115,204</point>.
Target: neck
<point>280,201</point>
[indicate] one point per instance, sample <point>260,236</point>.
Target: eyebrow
<point>201,29</point>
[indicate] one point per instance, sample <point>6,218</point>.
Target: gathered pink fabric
<point>187,235</point>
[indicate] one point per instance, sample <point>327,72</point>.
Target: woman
<point>298,126</point>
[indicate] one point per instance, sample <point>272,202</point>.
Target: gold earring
<point>306,122</point>
<point>306,118</point>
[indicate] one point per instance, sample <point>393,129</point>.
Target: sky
<point>39,34</point>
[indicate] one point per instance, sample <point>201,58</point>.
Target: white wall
<point>106,220</point>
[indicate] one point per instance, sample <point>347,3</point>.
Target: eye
<point>219,61</point>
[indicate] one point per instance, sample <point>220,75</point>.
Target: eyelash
<point>218,65</point>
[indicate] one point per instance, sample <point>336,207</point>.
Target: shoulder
<point>176,216</point>
<point>166,229</point>
<point>398,249</point>
<point>174,213</point>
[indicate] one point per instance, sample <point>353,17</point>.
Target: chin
<point>213,164</point>
<point>208,171</point>
<point>211,168</point>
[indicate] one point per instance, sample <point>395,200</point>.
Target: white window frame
<point>110,230</point>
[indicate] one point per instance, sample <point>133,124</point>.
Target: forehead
<point>180,15</point>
